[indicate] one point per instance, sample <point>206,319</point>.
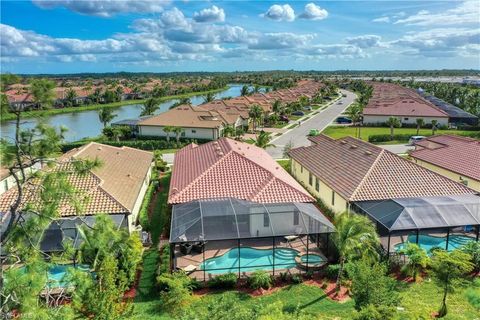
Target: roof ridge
<point>362,182</point>
<point>307,195</point>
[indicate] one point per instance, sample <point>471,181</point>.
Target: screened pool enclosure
<point>446,222</point>
<point>215,236</point>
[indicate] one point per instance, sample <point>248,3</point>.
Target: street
<point>299,134</point>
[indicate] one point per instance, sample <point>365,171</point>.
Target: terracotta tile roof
<point>228,168</point>
<point>454,153</point>
<point>111,188</point>
<point>394,100</point>
<point>361,171</point>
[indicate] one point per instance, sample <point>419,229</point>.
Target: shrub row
<point>138,144</point>
<point>143,214</point>
<point>386,137</point>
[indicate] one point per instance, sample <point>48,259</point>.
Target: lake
<point>86,124</point>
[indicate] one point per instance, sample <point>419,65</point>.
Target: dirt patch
<point>340,296</point>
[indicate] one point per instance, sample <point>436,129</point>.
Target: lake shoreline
<point>51,112</point>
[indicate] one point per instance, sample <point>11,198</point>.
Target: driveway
<point>397,148</point>
<point>298,135</point>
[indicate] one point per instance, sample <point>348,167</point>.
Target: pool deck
<point>217,248</point>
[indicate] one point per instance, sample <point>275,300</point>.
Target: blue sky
<point>68,36</point>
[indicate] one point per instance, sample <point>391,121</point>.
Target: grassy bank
<point>51,112</point>
<point>340,132</point>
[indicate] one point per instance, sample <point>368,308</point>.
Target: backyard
<point>337,132</point>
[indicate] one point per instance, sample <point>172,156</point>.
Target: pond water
<point>86,124</point>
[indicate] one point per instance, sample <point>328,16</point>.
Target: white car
<point>415,139</point>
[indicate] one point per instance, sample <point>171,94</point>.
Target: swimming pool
<point>251,259</point>
<point>428,242</point>
<point>56,274</point>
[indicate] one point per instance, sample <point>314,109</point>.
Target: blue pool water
<point>312,259</point>
<point>429,242</point>
<point>250,260</point>
<point>56,274</point>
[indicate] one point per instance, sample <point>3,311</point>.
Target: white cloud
<point>213,14</point>
<point>365,41</point>
<point>465,13</point>
<point>313,12</point>
<point>105,8</point>
<point>280,13</point>
<point>281,40</point>
<point>382,19</point>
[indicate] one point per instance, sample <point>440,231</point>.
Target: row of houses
<point>208,120</point>
<point>408,105</point>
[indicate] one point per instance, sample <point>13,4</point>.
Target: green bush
<point>260,279</point>
<point>175,290</point>
<point>224,281</point>
<point>284,276</point>
<point>332,271</point>
<point>386,137</point>
<point>371,312</point>
<point>143,213</point>
<point>164,265</point>
<point>296,278</point>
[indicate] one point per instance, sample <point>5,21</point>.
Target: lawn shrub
<point>372,312</point>
<point>296,278</point>
<point>224,281</point>
<point>175,290</point>
<point>284,276</point>
<point>260,279</point>
<point>325,209</point>
<point>143,213</point>
<point>164,263</point>
<point>332,271</point>
<point>376,138</point>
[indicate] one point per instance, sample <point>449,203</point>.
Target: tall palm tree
<point>150,106</point>
<point>420,123</point>
<point>276,106</point>
<point>255,113</point>
<point>245,91</point>
<point>355,113</point>
<point>105,115</point>
<point>434,126</point>
<point>263,140</point>
<point>355,238</point>
<point>209,97</point>
<point>177,131</point>
<point>228,131</point>
<point>417,259</point>
<point>393,122</point>
<point>167,130</point>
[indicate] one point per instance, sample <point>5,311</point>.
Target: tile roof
<point>229,168</point>
<point>361,171</point>
<point>112,188</point>
<point>454,153</point>
<point>394,100</point>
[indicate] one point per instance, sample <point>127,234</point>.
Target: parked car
<point>298,113</point>
<point>340,102</point>
<point>344,95</point>
<point>314,132</point>
<point>415,139</point>
<point>308,108</point>
<point>284,118</point>
<point>343,120</point>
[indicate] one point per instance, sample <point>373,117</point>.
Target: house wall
<point>9,182</point>
<point>404,119</point>
<point>471,183</point>
<point>324,191</point>
<point>191,133</point>
<point>133,217</point>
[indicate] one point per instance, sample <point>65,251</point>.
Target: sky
<point>68,36</point>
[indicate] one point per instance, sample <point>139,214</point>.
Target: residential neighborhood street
<point>299,134</point>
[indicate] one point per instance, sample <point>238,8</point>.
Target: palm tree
<point>256,88</point>
<point>177,131</point>
<point>150,106</point>
<point>255,113</point>
<point>434,126</point>
<point>245,91</point>
<point>276,106</point>
<point>355,113</point>
<point>228,131</point>
<point>167,130</point>
<point>263,140</point>
<point>417,259</point>
<point>420,123</point>
<point>355,238</point>
<point>105,115</point>
<point>96,95</point>
<point>393,122</point>
<point>209,97</point>
<point>70,97</point>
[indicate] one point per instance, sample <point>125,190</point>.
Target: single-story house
<point>456,115</point>
<point>391,100</point>
<point>117,188</point>
<point>231,198</point>
<point>349,174</point>
<point>455,157</point>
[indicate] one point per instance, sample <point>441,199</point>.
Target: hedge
<point>386,137</point>
<point>154,144</point>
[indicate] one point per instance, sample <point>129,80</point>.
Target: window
<point>406,119</point>
<point>194,131</point>
<point>183,134</point>
<point>266,221</point>
<point>301,169</point>
<point>333,198</point>
<point>296,218</point>
<point>6,184</point>
<point>310,179</point>
<point>317,184</point>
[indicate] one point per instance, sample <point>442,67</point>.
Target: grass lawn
<point>285,164</point>
<point>343,131</point>
<point>159,217</point>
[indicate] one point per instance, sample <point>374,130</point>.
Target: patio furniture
<point>290,238</point>
<point>198,247</point>
<point>186,248</point>
<point>189,269</point>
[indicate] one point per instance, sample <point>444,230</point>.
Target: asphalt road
<point>299,134</point>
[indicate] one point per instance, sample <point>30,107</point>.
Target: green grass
<point>285,164</point>
<point>50,112</point>
<point>340,132</point>
<point>160,216</point>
